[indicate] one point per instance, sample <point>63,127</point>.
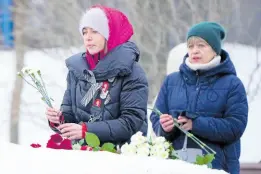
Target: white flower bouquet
<point>34,78</point>
<point>143,146</point>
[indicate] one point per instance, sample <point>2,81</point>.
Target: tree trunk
<point>18,85</point>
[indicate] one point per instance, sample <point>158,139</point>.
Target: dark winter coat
<point>125,109</point>
<point>216,102</point>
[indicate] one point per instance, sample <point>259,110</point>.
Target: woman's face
<point>94,42</point>
<point>199,51</point>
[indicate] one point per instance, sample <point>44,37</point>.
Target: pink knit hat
<point>109,22</point>
<point>112,24</point>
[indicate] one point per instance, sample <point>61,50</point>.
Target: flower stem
<point>190,135</point>
<point>27,81</point>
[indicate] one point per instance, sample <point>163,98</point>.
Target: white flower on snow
<point>158,147</point>
<point>138,139</point>
<point>159,140</point>
<point>143,151</point>
<point>144,145</point>
<point>76,146</point>
<point>159,153</point>
<point>166,145</point>
<point>162,154</point>
<point>128,149</point>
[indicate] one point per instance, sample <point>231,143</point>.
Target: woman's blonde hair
<point>195,39</point>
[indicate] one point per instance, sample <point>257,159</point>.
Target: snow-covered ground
<point>17,159</point>
<point>33,127</point>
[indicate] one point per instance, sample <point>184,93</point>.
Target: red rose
<point>66,144</point>
<point>35,145</point>
<point>88,148</point>
<point>52,145</point>
<point>84,148</point>
<point>56,138</point>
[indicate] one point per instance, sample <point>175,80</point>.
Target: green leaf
<point>209,158</point>
<point>108,147</point>
<point>96,149</point>
<point>92,139</point>
<point>205,160</point>
<point>173,157</point>
<point>81,141</point>
<point>199,160</point>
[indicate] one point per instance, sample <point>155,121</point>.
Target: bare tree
<point>18,86</point>
<point>159,26</point>
<point>253,86</point>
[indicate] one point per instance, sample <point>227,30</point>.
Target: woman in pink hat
<point>107,90</point>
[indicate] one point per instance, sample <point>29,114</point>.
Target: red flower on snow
<point>57,142</point>
<point>56,138</point>
<point>52,145</point>
<point>66,144</point>
<point>35,145</point>
<point>88,148</point>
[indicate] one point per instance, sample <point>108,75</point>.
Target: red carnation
<point>88,148</point>
<point>35,145</point>
<point>56,138</point>
<point>52,145</point>
<point>84,148</point>
<point>66,144</point>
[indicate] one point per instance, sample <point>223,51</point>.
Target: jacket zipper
<point>197,90</point>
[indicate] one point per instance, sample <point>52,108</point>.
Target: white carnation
<point>76,146</point>
<point>25,70</point>
<point>33,71</point>
<point>162,154</point>
<point>166,145</point>
<point>138,139</point>
<point>144,145</point>
<point>128,149</point>
<point>159,140</point>
<point>143,151</point>
<point>159,147</point>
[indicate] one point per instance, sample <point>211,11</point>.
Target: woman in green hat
<point>207,98</point>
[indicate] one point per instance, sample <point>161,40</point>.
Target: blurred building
<point>6,24</point>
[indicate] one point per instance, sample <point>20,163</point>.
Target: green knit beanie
<point>211,32</point>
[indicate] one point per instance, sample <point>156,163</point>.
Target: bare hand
<point>71,131</point>
<point>53,115</point>
<point>187,123</point>
<point>167,122</point>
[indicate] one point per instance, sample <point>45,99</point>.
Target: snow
<point>48,161</point>
<point>33,126</point>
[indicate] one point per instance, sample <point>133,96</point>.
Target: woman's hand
<point>71,131</point>
<point>53,115</point>
<point>187,123</point>
<point>167,122</point>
